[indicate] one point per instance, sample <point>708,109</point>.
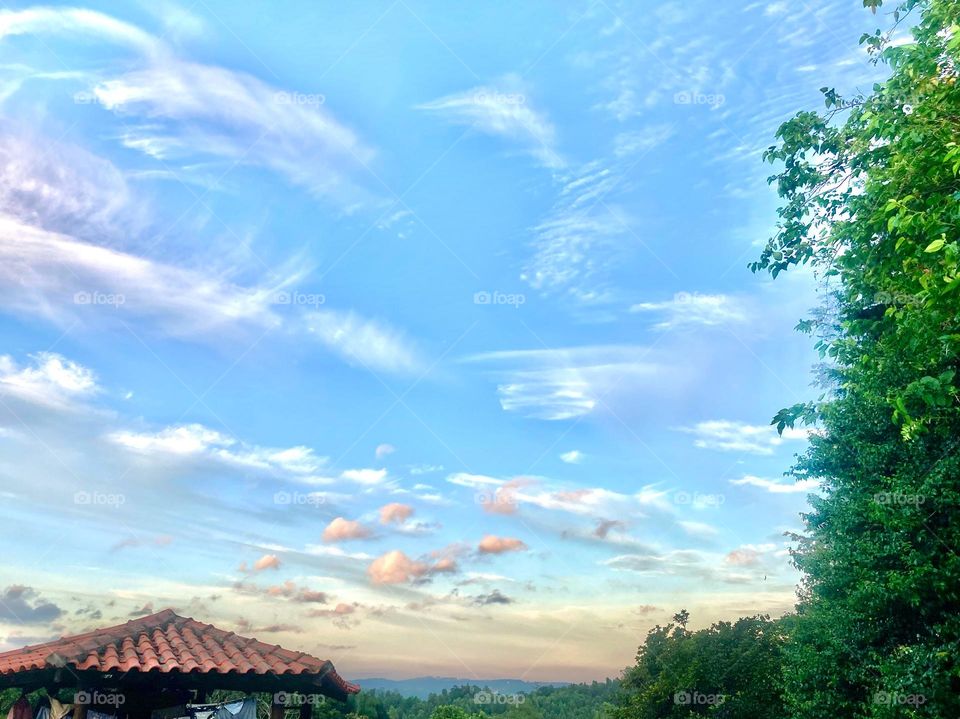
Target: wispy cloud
<point>564,383</point>
<point>776,486</point>
<point>198,442</point>
<point>502,110</point>
<point>73,280</point>
<point>573,243</point>
<point>178,110</point>
<point>50,379</point>
<point>693,308</point>
<point>732,436</point>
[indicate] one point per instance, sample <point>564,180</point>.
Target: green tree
<point>729,670</point>
<point>447,711</point>
<point>871,199</point>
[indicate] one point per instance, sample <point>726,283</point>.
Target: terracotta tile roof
<point>166,642</point>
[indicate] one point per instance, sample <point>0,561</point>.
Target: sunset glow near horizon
<point>413,336</point>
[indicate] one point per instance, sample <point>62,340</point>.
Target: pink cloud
<point>504,499</point>
<point>339,611</point>
<point>267,561</point>
<point>396,568</point>
<point>395,512</point>
<point>743,556</point>
<point>447,564</point>
<point>341,529</point>
<point>491,544</point>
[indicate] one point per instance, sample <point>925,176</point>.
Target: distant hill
<point>423,687</point>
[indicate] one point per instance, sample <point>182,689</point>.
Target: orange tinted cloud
<point>341,529</point>
<point>339,611</point>
<point>504,499</point>
<point>396,568</point>
<point>267,561</point>
<point>395,512</point>
<point>447,564</point>
<point>491,544</point>
<point>743,556</point>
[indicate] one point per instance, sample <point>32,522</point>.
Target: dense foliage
<point>730,670</point>
<point>575,701</point>
<point>872,201</point>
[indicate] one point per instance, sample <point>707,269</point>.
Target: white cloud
<point>65,279</point>
<point>641,141</point>
<point>698,529</point>
<point>190,109</point>
<point>502,111</point>
<point>572,242</point>
<point>198,441</point>
<point>688,308</point>
<point>384,449</point>
<point>777,487</point>
<point>177,109</point>
<point>74,21</point>
<point>50,380</point>
<point>370,343</point>
<point>364,476</point>
<point>565,383</point>
<point>574,456</point>
<point>731,436</point>
<point>60,187</point>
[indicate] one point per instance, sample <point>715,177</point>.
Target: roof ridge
<point>167,642</point>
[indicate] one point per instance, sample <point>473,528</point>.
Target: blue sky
<point>419,337</point>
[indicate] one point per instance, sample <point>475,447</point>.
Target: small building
<point>163,661</point>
